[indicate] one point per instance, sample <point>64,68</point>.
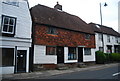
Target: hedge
<point>102,58</point>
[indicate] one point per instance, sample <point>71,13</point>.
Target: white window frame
<point>8,25</point>
<point>116,39</point>
<point>100,36</point>
<point>108,38</point>
<point>86,49</point>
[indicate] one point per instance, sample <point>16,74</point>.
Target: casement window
<point>87,36</point>
<point>8,24</point>
<point>72,53</point>
<point>108,38</point>
<point>100,37</point>
<point>116,39</point>
<point>50,50</point>
<point>11,2</point>
<point>7,56</point>
<point>51,30</point>
<point>87,51</point>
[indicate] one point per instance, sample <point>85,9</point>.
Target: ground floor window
<point>72,53</point>
<point>50,50</point>
<point>116,49</point>
<point>7,56</point>
<point>87,51</point>
<point>101,49</point>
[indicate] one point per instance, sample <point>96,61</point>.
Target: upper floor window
<point>87,51</point>
<point>108,38</point>
<point>116,38</point>
<point>11,2</point>
<point>99,36</point>
<point>87,36</point>
<point>51,30</point>
<point>8,24</point>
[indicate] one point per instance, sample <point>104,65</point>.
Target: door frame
<point>80,55</point>
<point>27,58</point>
<point>62,55</point>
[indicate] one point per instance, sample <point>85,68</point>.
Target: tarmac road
<point>98,73</point>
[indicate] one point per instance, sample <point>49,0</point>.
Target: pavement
<point>46,73</point>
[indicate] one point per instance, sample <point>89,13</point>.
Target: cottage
<point>15,36</point>
<point>107,39</point>
<point>60,38</point>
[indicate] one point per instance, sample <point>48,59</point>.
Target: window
<point>100,37</point>
<point>116,38</point>
<point>101,49</point>
<point>108,38</point>
<point>87,51</point>
<point>87,36</point>
<point>11,2</point>
<point>8,24</point>
<point>50,50</point>
<point>7,56</point>
<point>72,53</point>
<point>51,30</point>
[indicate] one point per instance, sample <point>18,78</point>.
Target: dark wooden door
<point>21,60</point>
<point>60,54</point>
<point>80,54</point>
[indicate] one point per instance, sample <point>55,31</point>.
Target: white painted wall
<point>99,43</point>
<point>23,23</point>
<point>40,56</point>
<point>7,70</point>
<point>88,58</point>
<point>66,56</point>
<point>22,38</point>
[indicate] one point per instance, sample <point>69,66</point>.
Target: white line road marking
<point>116,74</point>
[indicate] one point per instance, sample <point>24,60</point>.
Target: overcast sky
<point>87,10</point>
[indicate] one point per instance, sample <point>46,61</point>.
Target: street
<point>98,73</point>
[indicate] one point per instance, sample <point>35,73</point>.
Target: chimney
<point>58,6</point>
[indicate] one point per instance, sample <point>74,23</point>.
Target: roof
<point>104,29</point>
<point>49,16</point>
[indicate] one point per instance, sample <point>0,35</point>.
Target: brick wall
<point>63,38</point>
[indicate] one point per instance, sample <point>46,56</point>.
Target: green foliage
<point>105,57</point>
<point>115,57</point>
<point>100,57</point>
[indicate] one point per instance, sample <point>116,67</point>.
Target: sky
<point>87,10</point>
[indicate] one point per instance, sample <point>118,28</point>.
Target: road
<point>99,73</point>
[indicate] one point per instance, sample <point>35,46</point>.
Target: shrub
<point>115,56</point>
<point>100,57</point>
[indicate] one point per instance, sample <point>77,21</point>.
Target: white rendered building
<point>15,37</point>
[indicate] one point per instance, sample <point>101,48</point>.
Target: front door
<point>80,54</point>
<point>21,60</point>
<point>60,54</point>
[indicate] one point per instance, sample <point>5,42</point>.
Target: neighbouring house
<point>60,38</point>
<point>15,36</point>
<point>107,39</point>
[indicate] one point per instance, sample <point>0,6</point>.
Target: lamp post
<point>101,23</point>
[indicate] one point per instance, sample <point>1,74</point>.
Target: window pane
<point>87,51</point>
<point>51,50</point>
<point>7,56</point>
<point>8,24</point>
<point>11,21</point>
<point>72,53</point>
<point>51,30</point>
<point>6,19</point>
<point>5,27</point>
<point>10,29</point>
